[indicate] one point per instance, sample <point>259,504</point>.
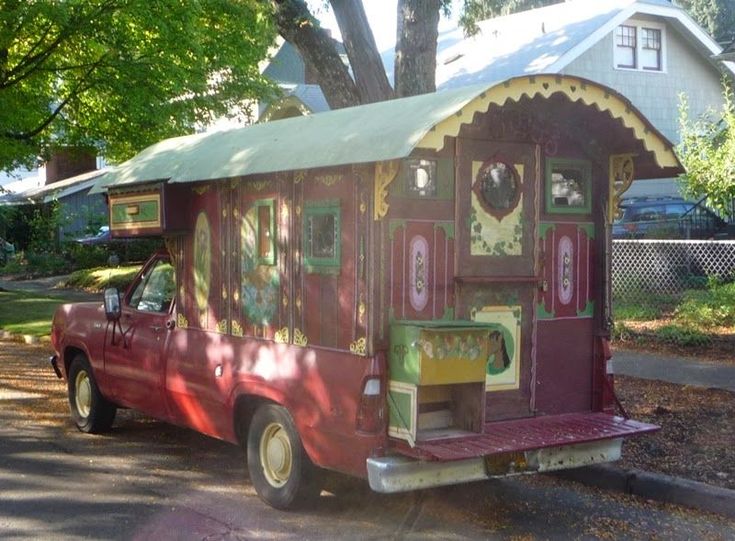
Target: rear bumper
<point>399,473</point>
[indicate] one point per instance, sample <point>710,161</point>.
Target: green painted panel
<point>588,311</point>
<point>134,212</point>
<point>400,406</point>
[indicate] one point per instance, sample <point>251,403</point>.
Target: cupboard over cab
<point>415,292</point>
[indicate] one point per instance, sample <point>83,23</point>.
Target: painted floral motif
<point>260,284</point>
<point>202,261</point>
<point>418,273</point>
<point>565,278</point>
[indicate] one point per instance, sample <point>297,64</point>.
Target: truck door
<point>497,269</point>
<point>134,347</point>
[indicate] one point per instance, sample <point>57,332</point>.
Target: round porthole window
<point>498,187</point>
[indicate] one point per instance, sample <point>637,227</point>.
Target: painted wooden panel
<point>421,269</point>
<point>136,212</point>
<point>564,371</point>
<point>567,271</point>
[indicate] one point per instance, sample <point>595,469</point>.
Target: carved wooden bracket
<point>385,173</point>
<point>621,177</point>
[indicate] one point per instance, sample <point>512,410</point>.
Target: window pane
<point>157,290</point>
<point>568,188</point>
<point>322,236</point>
<point>264,231</point>
<point>625,46</point>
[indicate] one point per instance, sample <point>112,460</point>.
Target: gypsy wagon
<point>420,287</point>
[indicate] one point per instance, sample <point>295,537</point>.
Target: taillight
<point>371,412</point>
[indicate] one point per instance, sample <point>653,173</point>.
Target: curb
<point>656,486</point>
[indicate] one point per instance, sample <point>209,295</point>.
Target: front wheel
<point>90,411</point>
<point>280,470</point>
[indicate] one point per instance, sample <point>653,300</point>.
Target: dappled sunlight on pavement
<point>149,480</point>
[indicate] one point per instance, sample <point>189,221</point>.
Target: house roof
<point>54,191</point>
<point>547,39</point>
<point>369,133</point>
<point>307,99</point>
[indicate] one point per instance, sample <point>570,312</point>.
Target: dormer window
<point>639,46</point>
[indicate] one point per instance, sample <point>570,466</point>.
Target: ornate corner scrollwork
<point>359,347</point>
<point>201,190</point>
<point>385,173</point>
<point>282,336</point>
<point>181,321</point>
<point>622,172</point>
<point>221,326</point>
<point>300,338</point>
<point>237,329</point>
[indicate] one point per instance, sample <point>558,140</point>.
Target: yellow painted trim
<point>546,86</point>
<point>385,173</point>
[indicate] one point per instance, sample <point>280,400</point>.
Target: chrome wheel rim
<point>276,455</point>
<point>83,394</point>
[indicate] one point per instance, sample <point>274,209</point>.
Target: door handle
<point>156,328</point>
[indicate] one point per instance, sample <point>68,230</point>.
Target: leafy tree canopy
<point>715,16</point>
<point>707,151</point>
<point>117,75</point>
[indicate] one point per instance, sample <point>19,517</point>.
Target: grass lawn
<point>22,312</point>
<point>103,277</point>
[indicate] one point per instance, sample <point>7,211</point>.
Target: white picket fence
<point>641,268</point>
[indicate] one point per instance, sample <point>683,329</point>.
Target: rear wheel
<point>280,470</point>
<point>90,411</point>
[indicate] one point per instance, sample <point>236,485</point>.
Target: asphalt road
<point>149,480</point>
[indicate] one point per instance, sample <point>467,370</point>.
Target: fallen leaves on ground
<point>697,436</point>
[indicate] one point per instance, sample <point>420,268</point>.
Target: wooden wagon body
<point>453,248</point>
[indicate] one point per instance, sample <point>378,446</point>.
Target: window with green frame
<point>568,186</point>
<point>322,236</point>
<point>266,231</point>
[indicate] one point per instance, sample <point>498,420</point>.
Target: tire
<point>91,412</point>
<point>280,470</point>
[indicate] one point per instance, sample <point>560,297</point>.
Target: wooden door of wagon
<point>497,270</point>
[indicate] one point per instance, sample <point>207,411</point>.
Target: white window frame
<point>639,26</point>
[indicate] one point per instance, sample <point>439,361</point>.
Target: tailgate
<point>527,434</point>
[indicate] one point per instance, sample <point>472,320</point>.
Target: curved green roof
<point>369,133</point>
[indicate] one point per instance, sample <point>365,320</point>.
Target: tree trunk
<point>296,25</point>
<point>367,66</point>
<point>417,33</point>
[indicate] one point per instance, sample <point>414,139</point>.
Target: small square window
<point>322,236</point>
<point>421,178</point>
<point>568,187</point>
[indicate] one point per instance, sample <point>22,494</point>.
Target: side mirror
<point>112,304</point>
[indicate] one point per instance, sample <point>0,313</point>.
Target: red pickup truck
<point>416,292</point>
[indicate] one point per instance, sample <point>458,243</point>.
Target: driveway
<point>148,480</point>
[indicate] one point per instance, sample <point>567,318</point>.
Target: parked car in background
<point>101,237</point>
<point>667,218</point>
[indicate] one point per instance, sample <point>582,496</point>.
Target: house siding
<point>656,95</point>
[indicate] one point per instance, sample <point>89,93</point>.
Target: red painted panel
<point>321,389</point>
<point>564,365</point>
<point>421,271</point>
<point>568,256</point>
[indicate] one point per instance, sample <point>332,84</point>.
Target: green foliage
<point>118,75</point>
<point>635,311</point>
<point>708,308</point>
<point>715,16</point>
<point>98,279</point>
<point>707,151</point>
<point>682,335</point>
